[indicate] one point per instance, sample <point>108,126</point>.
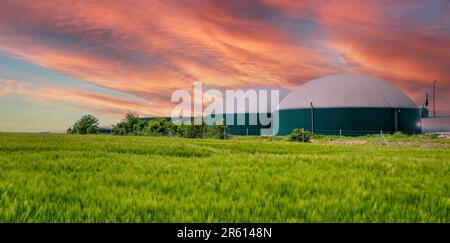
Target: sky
<point>60,59</point>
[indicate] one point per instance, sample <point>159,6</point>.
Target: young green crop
<point>91,178</point>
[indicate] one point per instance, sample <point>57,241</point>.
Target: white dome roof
<point>340,91</point>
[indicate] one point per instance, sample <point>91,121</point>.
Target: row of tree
<point>131,124</point>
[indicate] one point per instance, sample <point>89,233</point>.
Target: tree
<point>161,127</point>
<point>130,124</point>
<point>88,124</point>
<point>92,130</point>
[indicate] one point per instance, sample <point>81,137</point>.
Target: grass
<point>93,178</point>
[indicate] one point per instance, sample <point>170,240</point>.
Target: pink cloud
<point>150,50</point>
<point>175,46</point>
<point>6,87</point>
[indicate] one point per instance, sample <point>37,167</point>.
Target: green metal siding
<point>350,121</point>
<point>246,129</point>
<point>425,113</point>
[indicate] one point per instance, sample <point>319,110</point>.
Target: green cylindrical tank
<point>348,105</point>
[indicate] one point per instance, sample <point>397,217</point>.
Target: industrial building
<point>337,105</point>
<point>347,104</point>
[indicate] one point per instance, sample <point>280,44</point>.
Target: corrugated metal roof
<point>339,91</point>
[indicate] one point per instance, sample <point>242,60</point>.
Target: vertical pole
<point>340,132</point>
<point>312,118</point>
<point>204,132</point>
<point>434,99</point>
<point>396,120</point>
<point>303,135</point>
<point>247,132</point>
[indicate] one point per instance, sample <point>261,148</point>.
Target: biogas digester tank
<point>349,105</point>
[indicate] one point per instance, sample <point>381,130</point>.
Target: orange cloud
<point>411,51</point>
<point>6,87</point>
<point>158,48</point>
<point>150,50</point>
<point>104,104</point>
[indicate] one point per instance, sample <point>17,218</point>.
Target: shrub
<point>181,130</point>
<point>69,131</point>
<point>216,131</point>
<point>130,124</point>
<point>160,127</point>
<point>299,135</point>
<point>399,135</point>
<point>118,130</point>
<point>195,131</point>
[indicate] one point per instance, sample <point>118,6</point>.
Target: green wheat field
<point>104,178</point>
